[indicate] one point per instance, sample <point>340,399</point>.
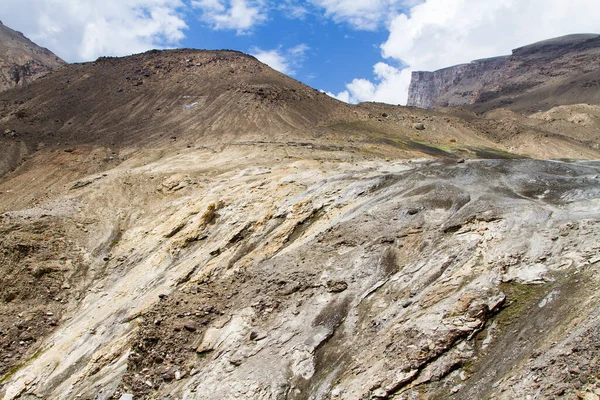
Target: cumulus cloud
<point>440,33</point>
<point>342,96</point>
<point>239,15</point>
<point>83,30</point>
<point>284,61</point>
<point>273,58</point>
<point>384,89</point>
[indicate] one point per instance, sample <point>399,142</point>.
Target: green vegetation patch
<point>520,298</point>
<point>401,139</point>
<point>493,154</point>
<point>17,367</point>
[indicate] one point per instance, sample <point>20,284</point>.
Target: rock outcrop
<point>536,77</point>
<point>430,89</point>
<point>21,60</point>
<point>309,277</point>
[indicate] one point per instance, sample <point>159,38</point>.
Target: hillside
<point>199,91</point>
<point>193,224</point>
<point>534,78</point>
<point>21,60</point>
<point>190,98</point>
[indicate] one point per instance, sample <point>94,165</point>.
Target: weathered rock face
<point>429,89</point>
<point>21,60</point>
<point>305,279</point>
<point>533,77</point>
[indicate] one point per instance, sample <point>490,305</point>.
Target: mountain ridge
<point>187,97</point>
<point>172,81</point>
<point>22,61</point>
<point>534,77</point>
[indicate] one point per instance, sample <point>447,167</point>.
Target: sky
<point>354,50</point>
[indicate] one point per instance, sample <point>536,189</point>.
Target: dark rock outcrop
<point>21,60</point>
<point>543,75</point>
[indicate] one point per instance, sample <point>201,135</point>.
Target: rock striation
<point>305,278</point>
<point>542,75</point>
<point>21,60</point>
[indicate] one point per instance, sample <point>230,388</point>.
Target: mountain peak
<point>23,61</point>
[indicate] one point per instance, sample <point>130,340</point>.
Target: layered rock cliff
<point>21,60</point>
<point>540,76</point>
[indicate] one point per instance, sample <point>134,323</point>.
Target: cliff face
<point>539,76</point>
<point>465,81</point>
<point>21,60</point>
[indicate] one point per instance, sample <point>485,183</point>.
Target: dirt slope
<point>181,98</point>
<point>152,97</point>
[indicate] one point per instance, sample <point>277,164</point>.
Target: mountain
<point>193,224</point>
<point>21,60</point>
<point>158,95</point>
<point>534,78</point>
<point>185,97</point>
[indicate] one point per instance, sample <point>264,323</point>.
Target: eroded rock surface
<point>193,224</point>
<point>314,278</point>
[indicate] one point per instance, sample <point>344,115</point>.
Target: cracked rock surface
<point>233,273</point>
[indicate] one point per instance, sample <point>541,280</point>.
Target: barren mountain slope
<point>153,97</point>
<point>192,224</point>
<point>536,77</point>
<point>171,99</point>
<point>459,133</point>
<point>21,60</point>
<point>181,98</point>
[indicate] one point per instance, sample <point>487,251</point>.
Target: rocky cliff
<point>21,60</point>
<point>536,77</point>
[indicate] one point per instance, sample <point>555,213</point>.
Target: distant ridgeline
<point>21,60</point>
<point>539,76</point>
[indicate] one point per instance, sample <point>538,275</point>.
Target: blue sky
<point>355,50</point>
<point>330,50</point>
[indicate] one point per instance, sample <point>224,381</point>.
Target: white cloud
<point>360,14</point>
<point>273,58</point>
<point>298,51</point>
<point>342,96</point>
<point>239,15</point>
<point>384,90</point>
<point>83,30</point>
<point>284,61</point>
<point>441,33</point>
<point>291,9</point>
